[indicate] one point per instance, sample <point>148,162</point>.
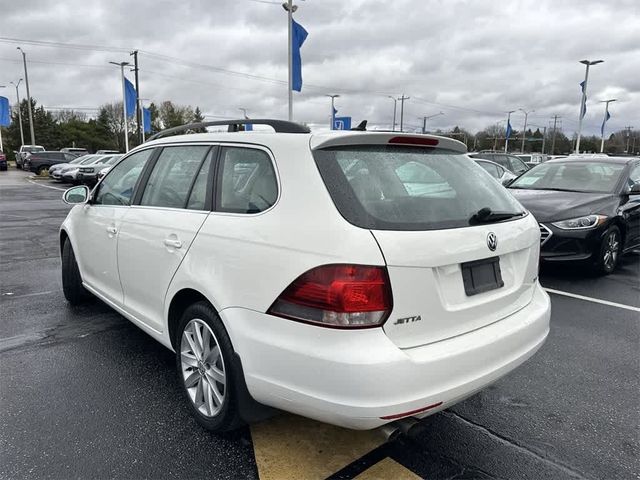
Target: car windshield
<point>572,175</point>
<point>406,188</point>
<point>89,159</point>
<point>33,149</point>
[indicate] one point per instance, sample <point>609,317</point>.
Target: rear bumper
<point>353,378</point>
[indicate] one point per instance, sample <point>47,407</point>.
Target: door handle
<point>173,243</point>
<point>112,230</point>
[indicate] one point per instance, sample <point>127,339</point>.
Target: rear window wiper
<point>486,215</point>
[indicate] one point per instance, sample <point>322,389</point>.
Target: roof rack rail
<point>280,126</point>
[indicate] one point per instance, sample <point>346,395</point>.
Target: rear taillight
<point>338,296</point>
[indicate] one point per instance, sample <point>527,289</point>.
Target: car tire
<point>609,252</point>
<point>207,379</point>
<point>72,287</point>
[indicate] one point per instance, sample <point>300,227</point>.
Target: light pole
<point>19,110</point>
<point>333,111</point>
<point>606,117</point>
<point>427,117</point>
<point>124,105</point>
<point>395,106</point>
<point>26,81</point>
<point>583,104</point>
<point>508,131</point>
<point>290,8</point>
<point>402,99</point>
<point>524,130</point>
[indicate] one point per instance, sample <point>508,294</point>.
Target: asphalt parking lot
<point>85,394</point>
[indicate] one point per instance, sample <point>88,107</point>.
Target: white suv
<point>354,278</point>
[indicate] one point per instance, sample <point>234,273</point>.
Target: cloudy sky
<point>471,60</point>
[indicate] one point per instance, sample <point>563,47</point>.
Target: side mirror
<point>635,189</point>
<point>76,195</point>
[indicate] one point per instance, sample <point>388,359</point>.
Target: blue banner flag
<point>299,36</point>
<point>249,126</point>
<point>342,123</point>
<point>130,97</point>
<point>146,120</point>
<point>607,116</point>
<point>5,112</point>
<point>508,129</point>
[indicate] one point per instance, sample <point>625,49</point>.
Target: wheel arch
<point>63,238</point>
<point>179,302</point>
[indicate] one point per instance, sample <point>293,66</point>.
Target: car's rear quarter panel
<point>240,260</point>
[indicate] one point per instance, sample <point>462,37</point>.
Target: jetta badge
<point>492,241</point>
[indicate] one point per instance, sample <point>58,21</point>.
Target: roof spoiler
<point>280,126</point>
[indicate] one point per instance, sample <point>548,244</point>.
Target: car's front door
<point>158,229</point>
<point>97,225</point>
<point>631,209</point>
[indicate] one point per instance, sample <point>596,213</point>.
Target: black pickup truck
<point>40,161</point>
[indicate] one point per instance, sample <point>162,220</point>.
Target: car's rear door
<point>158,230</point>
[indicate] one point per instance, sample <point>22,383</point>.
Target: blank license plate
<point>481,275</point>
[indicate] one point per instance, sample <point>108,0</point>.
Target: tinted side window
<point>172,176</point>
<point>634,175</point>
<point>198,197</point>
<point>517,165</point>
<point>491,168</point>
<point>117,187</point>
<point>501,160</point>
<point>247,182</point>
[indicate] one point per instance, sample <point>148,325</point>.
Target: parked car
<point>71,173</point>
<point>498,172</point>
<point>533,159</point>
<point>510,162</point>
<point>107,152</point>
<point>3,161</point>
<point>588,209</point>
<point>77,151</point>
<point>39,162</point>
<point>24,152</point>
<point>55,171</point>
<point>102,173</point>
<point>88,174</point>
<point>300,272</point>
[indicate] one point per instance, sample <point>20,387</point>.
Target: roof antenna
<point>362,126</point>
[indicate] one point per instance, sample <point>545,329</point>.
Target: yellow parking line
<point>292,447</point>
<point>387,469</point>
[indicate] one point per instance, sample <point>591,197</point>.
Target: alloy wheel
<point>610,255</point>
<point>203,369</point>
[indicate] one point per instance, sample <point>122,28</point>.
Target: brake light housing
<point>337,296</point>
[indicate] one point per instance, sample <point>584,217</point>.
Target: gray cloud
<point>471,60</point>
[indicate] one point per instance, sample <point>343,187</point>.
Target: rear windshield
<point>409,188</point>
<point>33,149</point>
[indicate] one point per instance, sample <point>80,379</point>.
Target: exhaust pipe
<point>390,431</point>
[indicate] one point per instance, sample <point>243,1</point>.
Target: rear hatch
<point>460,251</point>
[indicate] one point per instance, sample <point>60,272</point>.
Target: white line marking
<point>46,186</point>
<point>13,295</point>
<point>594,300</point>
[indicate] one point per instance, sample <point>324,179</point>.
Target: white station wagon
<point>354,278</point>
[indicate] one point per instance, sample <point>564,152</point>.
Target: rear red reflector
<point>431,142</point>
<point>412,412</point>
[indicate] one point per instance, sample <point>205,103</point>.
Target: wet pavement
<point>85,394</point>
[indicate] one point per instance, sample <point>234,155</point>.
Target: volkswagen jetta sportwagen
<point>354,278</point>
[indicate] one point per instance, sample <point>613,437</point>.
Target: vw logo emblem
<point>492,241</point>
